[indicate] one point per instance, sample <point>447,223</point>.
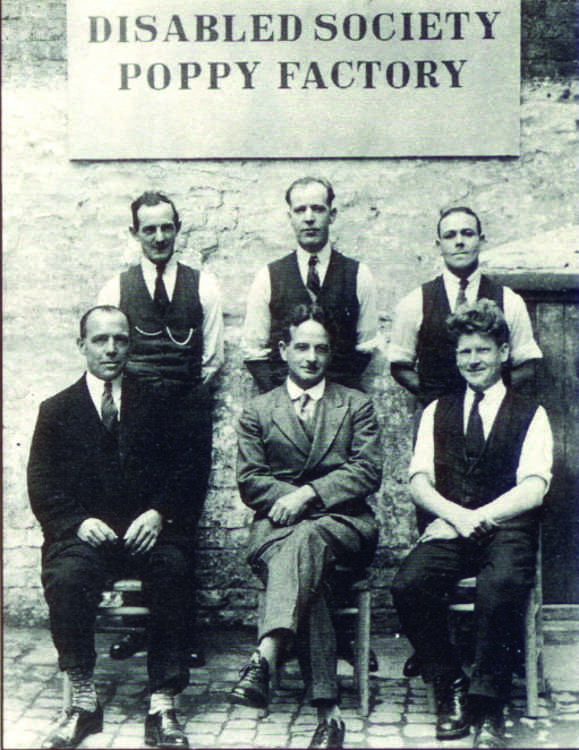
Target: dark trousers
<point>295,570</point>
<point>504,564</point>
<point>74,575</point>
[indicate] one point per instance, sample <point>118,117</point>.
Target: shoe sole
<point>246,700</point>
<point>456,735</point>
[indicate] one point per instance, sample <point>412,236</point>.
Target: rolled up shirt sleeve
<point>404,335</point>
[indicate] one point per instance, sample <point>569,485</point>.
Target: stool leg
<point>361,671</point>
<point>66,692</point>
<point>430,698</point>
<point>531,655</point>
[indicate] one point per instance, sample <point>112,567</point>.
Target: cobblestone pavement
<point>399,716</point>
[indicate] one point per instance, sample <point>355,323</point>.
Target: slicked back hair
<point>458,210</point>
<point>303,181</point>
<point>152,198</point>
<point>300,314</point>
<point>102,308</point>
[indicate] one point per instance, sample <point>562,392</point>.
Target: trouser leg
<point>165,579</point>
<point>74,576</point>
<point>506,575</point>
<point>296,568</point>
<point>420,593</point>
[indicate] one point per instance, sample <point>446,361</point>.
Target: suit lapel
<point>330,415</point>
<point>284,416</point>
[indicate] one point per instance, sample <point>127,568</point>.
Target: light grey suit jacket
<point>343,463</point>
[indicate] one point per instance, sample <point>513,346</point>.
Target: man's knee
<point>170,562</point>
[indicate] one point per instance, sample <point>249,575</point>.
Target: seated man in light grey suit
<point>309,457</point>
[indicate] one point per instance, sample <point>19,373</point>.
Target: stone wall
<point>65,233</point>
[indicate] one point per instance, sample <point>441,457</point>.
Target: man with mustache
<point>421,353</point>
<point>309,457</point>
<point>480,469</point>
<point>100,486</point>
<point>314,272</point>
<point>177,348</point>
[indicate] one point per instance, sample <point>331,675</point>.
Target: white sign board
<point>164,79</point>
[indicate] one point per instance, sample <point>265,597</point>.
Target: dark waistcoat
<point>436,350</point>
<point>473,483</point>
<point>338,297</point>
<point>165,349</point>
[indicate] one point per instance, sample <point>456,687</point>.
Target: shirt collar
<point>453,281</point>
<point>315,392</point>
<point>492,395</point>
<point>323,255</point>
<point>96,387</point>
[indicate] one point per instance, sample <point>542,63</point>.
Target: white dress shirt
<point>408,319</point>
<point>256,330</point>
<point>316,393</point>
<point>536,453</point>
<point>210,299</point>
<point>96,388</point>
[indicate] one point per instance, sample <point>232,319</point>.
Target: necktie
<point>475,438</point>
<point>109,411</point>
<point>313,282</point>
<point>461,296</point>
<point>161,300</point>
<point>305,414</point>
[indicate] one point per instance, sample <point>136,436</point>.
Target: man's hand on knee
<point>143,533</point>
<point>288,509</point>
<point>95,532</point>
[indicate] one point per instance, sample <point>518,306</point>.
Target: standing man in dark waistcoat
<point>315,272</point>
<point>421,352</point>
<point>481,466</point>
<point>177,348</point>
<point>101,489</point>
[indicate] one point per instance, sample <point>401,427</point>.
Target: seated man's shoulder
<point>353,396</point>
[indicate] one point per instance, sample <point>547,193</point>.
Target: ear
<point>333,214</point>
<point>282,350</point>
<point>133,231</point>
<point>80,343</point>
<point>504,351</point>
<point>178,226</point>
<point>482,238</point>
<point>437,242</point>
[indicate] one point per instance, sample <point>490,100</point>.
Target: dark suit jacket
<point>343,463</point>
<point>71,476</point>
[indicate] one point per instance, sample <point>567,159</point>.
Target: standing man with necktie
<point>100,487</point>
<point>421,353</point>
<point>480,470</point>
<point>177,335</point>
<point>314,272</point>
<point>309,457</point>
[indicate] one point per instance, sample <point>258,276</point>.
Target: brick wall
<point>65,233</point>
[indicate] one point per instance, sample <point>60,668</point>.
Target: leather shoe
<point>490,731</point>
<point>128,645</point>
<point>253,687</point>
<point>163,730</point>
<point>346,652</point>
<point>195,658</point>
<point>452,720</point>
<point>329,734</point>
<point>412,666</point>
<point>73,726</point>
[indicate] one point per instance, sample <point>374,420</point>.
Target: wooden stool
<point>361,609</point>
<point>533,636</point>
<point>112,606</point>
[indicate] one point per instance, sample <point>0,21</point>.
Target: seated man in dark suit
<point>309,457</point>
<point>481,466</point>
<point>99,487</point>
